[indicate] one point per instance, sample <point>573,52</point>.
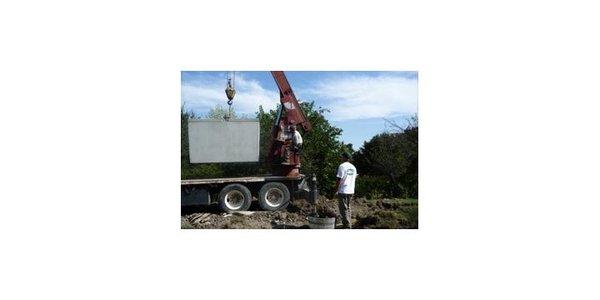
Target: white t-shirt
<point>297,139</point>
<point>346,172</point>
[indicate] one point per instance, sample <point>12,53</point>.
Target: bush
<point>372,187</point>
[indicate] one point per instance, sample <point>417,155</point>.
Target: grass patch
<point>390,214</point>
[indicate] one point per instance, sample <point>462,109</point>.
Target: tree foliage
<point>393,157</point>
<point>219,113</point>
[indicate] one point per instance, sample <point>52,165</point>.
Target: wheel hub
<point>234,200</point>
<point>274,197</point>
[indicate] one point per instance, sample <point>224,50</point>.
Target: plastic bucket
<point>321,223</point>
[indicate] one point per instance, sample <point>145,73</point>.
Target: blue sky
<point>358,101</point>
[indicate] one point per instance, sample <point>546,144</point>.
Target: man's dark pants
<point>345,212</point>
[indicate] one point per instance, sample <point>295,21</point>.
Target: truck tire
<point>274,196</point>
<point>235,197</point>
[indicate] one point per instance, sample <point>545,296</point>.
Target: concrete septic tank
<point>216,141</point>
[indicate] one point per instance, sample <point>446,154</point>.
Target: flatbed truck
<point>237,193</point>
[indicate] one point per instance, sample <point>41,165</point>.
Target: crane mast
<point>283,160</point>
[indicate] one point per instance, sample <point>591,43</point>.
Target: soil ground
<point>380,213</point>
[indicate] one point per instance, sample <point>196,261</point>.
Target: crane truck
<point>273,191</point>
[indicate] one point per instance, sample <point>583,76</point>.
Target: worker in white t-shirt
<point>295,146</point>
<point>346,174</point>
<point>296,138</point>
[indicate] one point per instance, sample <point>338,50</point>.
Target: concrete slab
<point>216,141</point>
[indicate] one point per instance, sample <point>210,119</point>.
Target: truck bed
<point>239,179</point>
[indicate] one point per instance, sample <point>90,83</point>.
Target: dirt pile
<point>253,220</point>
<point>325,212</point>
<point>382,213</point>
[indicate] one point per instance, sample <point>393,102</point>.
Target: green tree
<point>393,156</point>
<point>219,113</point>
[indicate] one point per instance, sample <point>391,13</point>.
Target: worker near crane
<point>296,139</point>
<point>346,177</point>
<point>293,137</point>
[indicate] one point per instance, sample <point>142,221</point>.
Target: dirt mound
<point>251,220</point>
<point>325,212</point>
<point>324,208</point>
<point>382,213</point>
<point>300,206</point>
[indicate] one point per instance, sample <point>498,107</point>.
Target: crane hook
<point>230,92</point>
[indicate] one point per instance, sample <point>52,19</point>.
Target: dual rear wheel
<point>235,197</point>
<point>272,196</point>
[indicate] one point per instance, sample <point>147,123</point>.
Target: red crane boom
<point>283,160</point>
<point>295,115</point>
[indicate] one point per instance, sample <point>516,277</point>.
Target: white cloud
<point>361,97</point>
<point>348,97</point>
<point>202,95</point>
